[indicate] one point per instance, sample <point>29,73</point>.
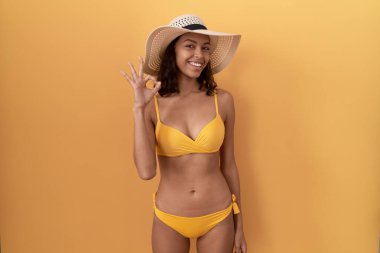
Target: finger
<point>149,77</point>
<point>153,78</point>
<point>154,81</point>
<point>238,249</point>
<point>133,71</point>
<point>126,76</point>
<point>141,67</point>
<point>157,87</point>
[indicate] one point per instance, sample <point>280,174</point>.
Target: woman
<point>189,124</point>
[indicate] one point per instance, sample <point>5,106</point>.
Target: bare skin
<point>200,187</point>
<point>191,184</point>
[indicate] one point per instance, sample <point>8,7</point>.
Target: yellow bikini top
<point>172,142</point>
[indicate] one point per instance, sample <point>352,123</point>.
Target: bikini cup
<point>172,142</point>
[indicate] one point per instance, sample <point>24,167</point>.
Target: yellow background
<point>306,85</point>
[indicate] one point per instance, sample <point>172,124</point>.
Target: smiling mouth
<point>196,64</point>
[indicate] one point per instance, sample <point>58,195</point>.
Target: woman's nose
<point>198,52</point>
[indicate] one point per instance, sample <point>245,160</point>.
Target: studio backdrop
<point>306,85</point>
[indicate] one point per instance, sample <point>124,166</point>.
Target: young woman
<point>189,124</point>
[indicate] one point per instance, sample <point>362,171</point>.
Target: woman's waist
<point>189,171</point>
<point>206,161</point>
<point>193,198</point>
<point>200,180</point>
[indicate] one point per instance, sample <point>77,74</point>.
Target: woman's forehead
<point>201,38</point>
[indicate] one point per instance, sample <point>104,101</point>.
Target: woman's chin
<point>191,75</point>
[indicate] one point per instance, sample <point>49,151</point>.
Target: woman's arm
<point>230,171</point>
<point>227,156</point>
<point>144,153</point>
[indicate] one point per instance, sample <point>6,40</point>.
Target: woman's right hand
<point>143,95</point>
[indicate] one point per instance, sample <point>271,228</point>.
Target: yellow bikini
<point>172,142</point>
<point>193,227</point>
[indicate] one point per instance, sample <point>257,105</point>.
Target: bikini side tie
<point>234,205</point>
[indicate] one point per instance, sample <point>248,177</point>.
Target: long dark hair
<point>168,74</point>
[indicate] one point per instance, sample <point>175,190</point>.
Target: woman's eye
<point>190,46</point>
<point>206,48</point>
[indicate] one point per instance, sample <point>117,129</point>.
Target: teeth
<point>195,64</point>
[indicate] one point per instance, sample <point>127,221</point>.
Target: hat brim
<point>223,47</point>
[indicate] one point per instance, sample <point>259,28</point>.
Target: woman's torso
<point>191,184</point>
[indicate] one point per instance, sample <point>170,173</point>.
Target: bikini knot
<point>234,205</point>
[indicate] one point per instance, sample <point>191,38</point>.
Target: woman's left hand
<point>240,244</point>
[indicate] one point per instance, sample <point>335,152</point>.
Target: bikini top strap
<point>156,106</point>
<point>216,104</point>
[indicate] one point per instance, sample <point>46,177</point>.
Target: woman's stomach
<point>192,185</point>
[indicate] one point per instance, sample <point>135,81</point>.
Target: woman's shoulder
<point>224,95</point>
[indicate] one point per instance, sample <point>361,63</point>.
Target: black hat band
<point>195,27</point>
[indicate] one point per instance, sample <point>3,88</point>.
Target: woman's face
<point>192,54</point>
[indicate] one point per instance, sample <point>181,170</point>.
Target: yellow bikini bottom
<point>193,227</point>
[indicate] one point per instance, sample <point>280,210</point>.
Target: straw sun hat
<point>222,49</point>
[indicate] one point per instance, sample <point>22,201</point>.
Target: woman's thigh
<point>167,240</point>
<point>220,239</point>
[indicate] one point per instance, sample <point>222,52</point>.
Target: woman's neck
<point>187,86</point>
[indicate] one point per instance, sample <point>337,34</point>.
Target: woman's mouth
<point>196,65</point>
